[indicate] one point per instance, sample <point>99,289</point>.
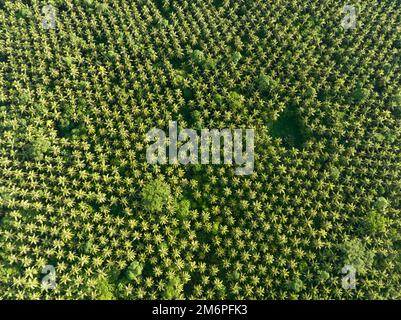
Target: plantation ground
<point>76,192</point>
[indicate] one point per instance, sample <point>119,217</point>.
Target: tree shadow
<point>290,128</point>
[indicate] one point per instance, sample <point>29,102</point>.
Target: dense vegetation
<point>77,193</point>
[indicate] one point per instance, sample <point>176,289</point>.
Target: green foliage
<point>267,84</point>
<point>173,289</point>
<point>296,285</point>
<point>182,207</point>
<point>396,100</point>
<point>357,255</point>
<point>134,270</point>
<point>198,57</point>
<point>397,112</point>
<point>7,273</point>
<point>335,173</point>
<point>165,23</point>
<point>210,63</point>
<point>36,146</point>
<point>77,192</point>
<point>381,204</point>
<point>323,276</point>
<point>102,7</point>
<point>87,246</point>
<point>376,222</point>
<point>236,100</point>
<point>23,13</point>
<point>105,289</point>
<point>221,3</point>
<point>197,120</point>
<point>215,228</point>
<point>236,57</point>
<point>234,276</point>
<point>155,195</point>
<point>179,77</point>
<point>310,92</point>
<point>88,3</point>
<point>360,94</point>
<point>219,99</point>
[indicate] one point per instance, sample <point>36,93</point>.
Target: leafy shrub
<point>381,204</point>
<point>105,289</point>
<point>23,13</point>
<point>7,273</point>
<point>360,94</point>
<point>236,57</point>
<point>267,84</point>
<point>198,57</point>
<point>102,7</point>
<point>335,173</point>
<point>296,285</point>
<point>36,146</point>
<point>323,276</point>
<point>210,63</point>
<point>236,100</point>
<point>310,92</point>
<point>88,3</point>
<point>182,207</point>
<point>134,270</point>
<point>173,289</point>
<point>357,255</point>
<point>376,222</point>
<point>155,195</point>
